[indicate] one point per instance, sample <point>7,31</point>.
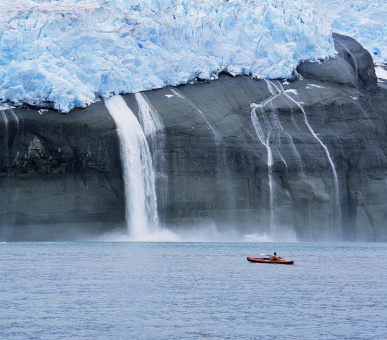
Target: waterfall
<point>265,140</point>
<point>298,156</point>
<point>139,178</point>
<point>15,118</point>
<point>267,130</point>
<point>154,130</point>
<point>315,136</point>
<point>373,136</point>
<point>6,137</point>
<point>268,127</point>
<point>270,124</point>
<point>149,118</point>
<point>180,95</point>
<point>5,119</point>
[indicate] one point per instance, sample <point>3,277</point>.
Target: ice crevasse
<point>69,53</point>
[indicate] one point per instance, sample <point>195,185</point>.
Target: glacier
<point>70,53</point>
<point>363,20</point>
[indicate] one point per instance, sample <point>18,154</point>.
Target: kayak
<point>262,260</point>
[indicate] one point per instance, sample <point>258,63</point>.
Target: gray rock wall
<point>58,172</point>
<point>61,177</point>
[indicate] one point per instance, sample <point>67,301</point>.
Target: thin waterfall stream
<point>6,135</point>
<point>337,204</point>
<point>265,140</point>
<point>266,126</point>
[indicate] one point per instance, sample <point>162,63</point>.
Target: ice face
<point>364,20</point>
<point>69,53</point>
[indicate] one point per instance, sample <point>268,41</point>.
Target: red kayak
<point>262,260</point>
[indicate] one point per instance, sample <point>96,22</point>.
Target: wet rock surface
<point>306,156</point>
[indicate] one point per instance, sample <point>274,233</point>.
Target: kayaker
<point>274,257</point>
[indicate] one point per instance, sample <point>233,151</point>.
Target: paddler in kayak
<point>275,257</point>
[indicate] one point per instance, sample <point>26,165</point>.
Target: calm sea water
<point>192,291</point>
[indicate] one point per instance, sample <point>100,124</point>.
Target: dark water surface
<point>192,291</point>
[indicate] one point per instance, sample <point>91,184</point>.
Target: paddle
<point>279,257</point>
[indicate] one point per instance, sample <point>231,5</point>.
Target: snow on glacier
<point>69,53</point>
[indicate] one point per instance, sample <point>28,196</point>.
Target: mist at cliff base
<point>199,232</point>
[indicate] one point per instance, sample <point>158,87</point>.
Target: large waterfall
<point>139,177</point>
<point>138,168</point>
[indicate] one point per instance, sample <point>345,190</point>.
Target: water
<point>263,131</point>
<point>16,119</point>
<point>336,218</point>
<point>272,124</point>
<point>149,118</point>
<point>192,291</point>
<point>180,95</point>
<point>139,177</point>
<point>5,120</point>
<point>154,131</point>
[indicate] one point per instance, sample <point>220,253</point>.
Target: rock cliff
<point>60,175</point>
<point>305,155</point>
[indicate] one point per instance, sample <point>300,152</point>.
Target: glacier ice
<point>363,20</point>
<point>69,53</point>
